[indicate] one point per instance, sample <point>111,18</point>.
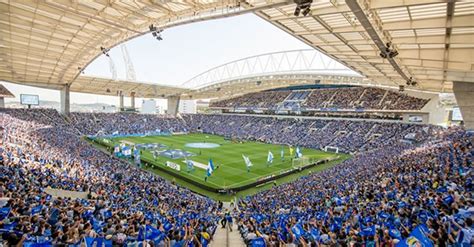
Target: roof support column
<point>2,102</point>
<point>132,100</point>
<point>121,97</point>
<point>464,93</point>
<point>173,104</point>
<point>65,99</point>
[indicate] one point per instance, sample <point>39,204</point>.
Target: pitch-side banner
<point>173,166</point>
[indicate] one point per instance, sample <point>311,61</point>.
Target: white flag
<point>248,163</point>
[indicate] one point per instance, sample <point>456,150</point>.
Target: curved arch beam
<point>251,84</point>
<point>307,61</point>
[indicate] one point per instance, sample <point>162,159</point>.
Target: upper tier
<point>313,99</point>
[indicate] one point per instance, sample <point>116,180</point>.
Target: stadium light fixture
<point>155,32</point>
<point>411,82</point>
<point>297,11</point>
<point>105,51</point>
<point>302,5</point>
<point>306,11</point>
<point>389,52</point>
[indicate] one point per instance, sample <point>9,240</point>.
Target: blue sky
<point>185,52</point>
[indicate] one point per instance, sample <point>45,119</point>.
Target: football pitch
<point>230,168</point>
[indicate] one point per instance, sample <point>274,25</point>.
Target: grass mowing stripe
<point>232,171</point>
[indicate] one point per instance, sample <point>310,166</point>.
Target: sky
<point>184,52</point>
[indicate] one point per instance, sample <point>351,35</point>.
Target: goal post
<point>331,149</point>
<point>300,162</point>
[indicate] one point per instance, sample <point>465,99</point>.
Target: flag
<point>153,234</point>
<point>36,209</point>
<point>417,237</point>
<point>298,152</point>
<point>395,233</point>
<point>126,151</point>
<point>35,244</point>
<point>270,157</point>
<point>210,168</point>
<point>298,231</point>
<point>90,242</point>
<point>136,155</point>
<point>291,151</point>
<point>248,163</point>
<point>190,164</point>
<point>315,234</point>
<point>258,242</point>
<point>116,150</point>
<point>4,212</point>
<point>368,231</point>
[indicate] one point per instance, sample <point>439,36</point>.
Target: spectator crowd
<point>388,197</point>
<point>328,98</point>
<point>124,204</point>
<point>404,183</point>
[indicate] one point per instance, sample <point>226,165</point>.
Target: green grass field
<point>232,171</point>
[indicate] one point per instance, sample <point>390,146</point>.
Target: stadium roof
<point>49,43</point>
<point>434,39</point>
<point>4,93</point>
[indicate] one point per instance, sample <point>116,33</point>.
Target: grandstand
<point>320,99</point>
<point>351,150</point>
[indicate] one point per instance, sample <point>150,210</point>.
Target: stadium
<point>300,123</point>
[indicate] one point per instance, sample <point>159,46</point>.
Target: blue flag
<point>136,155</point>
<point>258,242</point>
<point>298,231</point>
<point>34,244</point>
<point>315,234</point>
<point>4,212</point>
<point>154,234</point>
<point>190,165</point>
<point>395,233</point>
<point>417,237</point>
<point>210,168</point>
<point>126,151</point>
<point>92,242</point>
<point>36,209</point>
<point>448,200</point>
<point>368,231</point>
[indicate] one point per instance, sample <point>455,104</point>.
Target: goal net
<point>303,161</point>
<point>331,149</point>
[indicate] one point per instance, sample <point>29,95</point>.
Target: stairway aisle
<point>220,238</point>
<point>235,240</point>
<point>226,238</point>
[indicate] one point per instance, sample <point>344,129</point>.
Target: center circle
<point>202,145</point>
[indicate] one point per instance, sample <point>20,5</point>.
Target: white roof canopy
<point>49,43</point>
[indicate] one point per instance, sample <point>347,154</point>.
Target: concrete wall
<point>65,100</point>
<point>187,106</point>
<point>464,93</point>
<point>173,104</point>
<point>438,114</point>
